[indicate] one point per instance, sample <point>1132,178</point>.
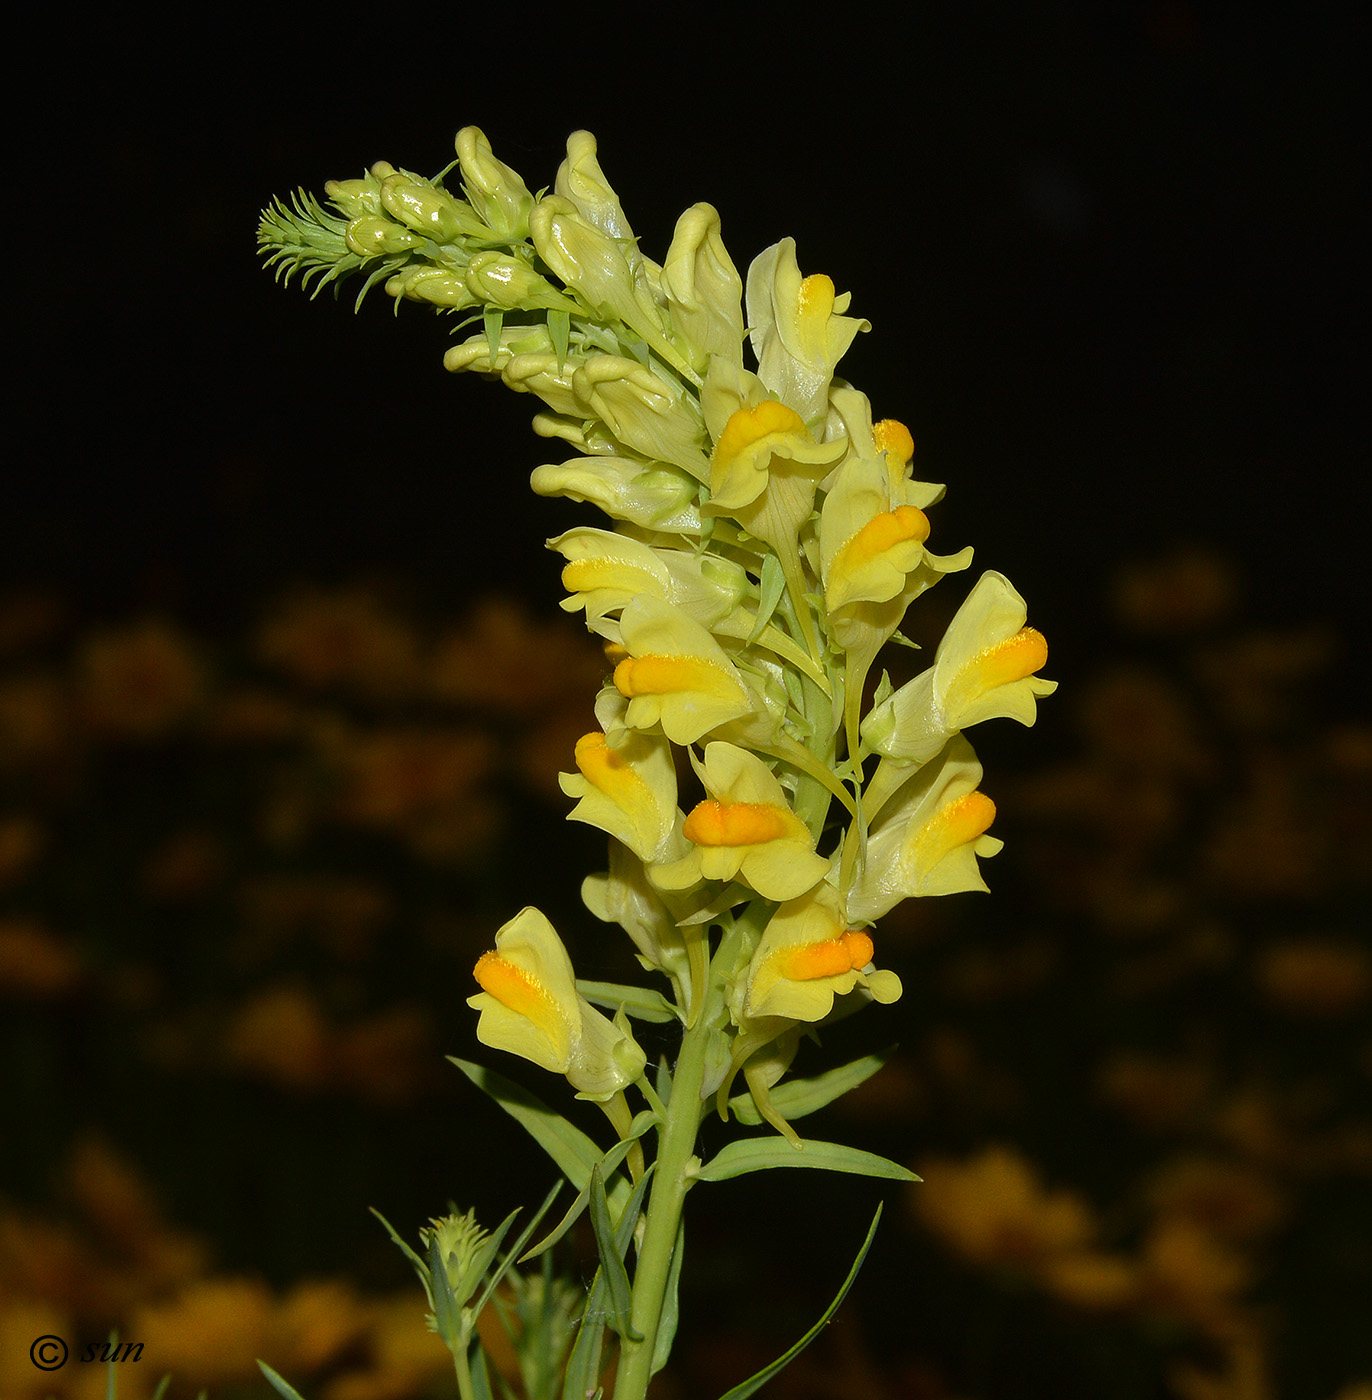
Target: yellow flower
<point>605,571</point>
<point>495,192</point>
<point>983,669</point>
<point>758,443</point>
<point>745,829</point>
<point>595,263</point>
<point>867,544</point>
<point>928,841</point>
<point>807,955</point>
<point>676,674</point>
<point>797,328</point>
<point>703,288</point>
<point>530,1006</point>
<point>643,412</point>
<point>627,789</point>
<point>650,494</point>
<point>850,416</point>
<point>872,560</point>
<point>623,895</point>
<point>764,472</point>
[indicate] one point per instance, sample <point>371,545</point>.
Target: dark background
<point>1110,256</point>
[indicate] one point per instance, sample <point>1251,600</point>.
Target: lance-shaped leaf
<point>607,1164</point>
<point>583,1366</point>
<point>642,1003</point>
<point>612,1267</point>
<point>797,1097</point>
<point>671,1304</point>
<point>755,1383</point>
<point>282,1387</point>
<point>760,1154</point>
<point>575,1154</point>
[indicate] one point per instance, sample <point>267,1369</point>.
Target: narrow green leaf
<point>481,1380</point>
<point>611,1264</point>
<point>772,586</point>
<point>282,1387</point>
<point>583,1366</point>
<point>797,1097</point>
<point>662,1081</point>
<point>507,1263</point>
<point>755,1383</point>
<point>643,1003</point>
<point>671,1304</point>
<point>574,1152</point>
<point>560,329</point>
<point>607,1163</point>
<point>161,1388</point>
<point>420,1266</point>
<point>493,321</point>
<point>447,1309</point>
<point>760,1153</point>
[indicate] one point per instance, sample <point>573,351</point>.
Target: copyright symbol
<point>48,1353</point>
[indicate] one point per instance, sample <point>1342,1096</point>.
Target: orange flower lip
<point>1003,663</point>
<point>849,952</point>
<point>882,533</point>
<point>735,824</point>
<point>665,675</point>
<point>515,988</point>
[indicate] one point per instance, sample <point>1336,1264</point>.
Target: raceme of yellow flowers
<point>765,540</point>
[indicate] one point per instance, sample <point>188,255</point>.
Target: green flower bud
<point>420,206</point>
<point>500,280</point>
<point>465,1250</point>
<point>432,284</point>
<point>355,197</point>
<point>496,192</point>
<point>370,235</point>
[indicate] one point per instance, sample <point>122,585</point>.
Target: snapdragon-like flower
<point>928,837</point>
<point>798,329</point>
<point>676,674</point>
<point>627,789</point>
<point>984,669</point>
<point>606,571</point>
<point>807,956</point>
<point>530,1006</point>
<point>744,830</point>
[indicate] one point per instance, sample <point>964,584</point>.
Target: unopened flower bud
<point>370,235</point>
<point>420,206</point>
<point>355,197</point>
<point>497,193</point>
<point>464,1249</point>
<point>431,284</point>
<point>500,280</point>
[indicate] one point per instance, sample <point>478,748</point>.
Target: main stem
<point>670,1184</point>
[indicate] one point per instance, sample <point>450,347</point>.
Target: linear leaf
<point>583,1366</point>
<point>644,1003</point>
<point>796,1097</point>
<point>611,1264</point>
<point>760,1153</point>
<point>755,1383</point>
<point>607,1164</point>
<point>671,1304</point>
<point>507,1263</point>
<point>282,1387</point>
<point>574,1152</point>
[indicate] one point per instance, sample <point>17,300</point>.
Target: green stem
<point>464,1374</point>
<point>670,1184</point>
